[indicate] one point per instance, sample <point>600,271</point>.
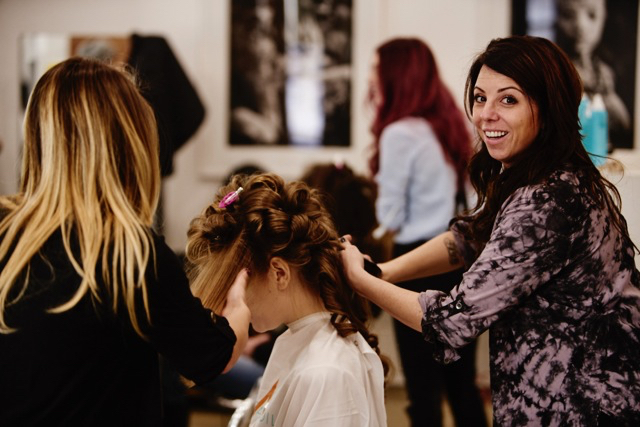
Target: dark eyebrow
<point>510,87</point>
<point>501,89</point>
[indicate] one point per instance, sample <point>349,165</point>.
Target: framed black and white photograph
<point>290,72</point>
<point>600,37</point>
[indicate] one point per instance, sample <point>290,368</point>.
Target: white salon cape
<point>315,377</point>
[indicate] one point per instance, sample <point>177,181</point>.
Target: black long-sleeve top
<point>87,366</point>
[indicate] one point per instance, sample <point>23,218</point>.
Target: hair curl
<point>274,219</point>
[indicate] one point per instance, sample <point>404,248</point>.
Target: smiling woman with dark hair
<point>549,262</point>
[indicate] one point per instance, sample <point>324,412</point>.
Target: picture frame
<point>290,73</point>
<point>609,67</point>
<point>217,157</point>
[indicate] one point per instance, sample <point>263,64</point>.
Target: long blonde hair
<point>274,219</point>
<point>90,169</point>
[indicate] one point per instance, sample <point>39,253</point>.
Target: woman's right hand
<point>353,264</point>
<point>400,303</point>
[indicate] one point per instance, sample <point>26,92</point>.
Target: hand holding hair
<point>353,263</point>
<point>369,265</point>
<point>400,303</point>
<point>238,315</point>
<point>236,294</point>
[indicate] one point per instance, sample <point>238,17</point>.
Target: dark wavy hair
<point>274,219</point>
<point>411,87</point>
<point>549,79</point>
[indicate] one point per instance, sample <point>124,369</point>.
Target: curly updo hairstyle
<point>270,219</point>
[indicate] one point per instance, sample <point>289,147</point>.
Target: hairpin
<point>230,198</point>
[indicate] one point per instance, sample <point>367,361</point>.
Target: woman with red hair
<point>421,149</point>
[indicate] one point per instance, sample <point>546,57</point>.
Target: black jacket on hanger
<point>165,85</point>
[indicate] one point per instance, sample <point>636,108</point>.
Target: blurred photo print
<point>290,72</point>
<point>600,37</point>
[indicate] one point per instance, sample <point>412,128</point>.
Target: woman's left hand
<point>238,315</point>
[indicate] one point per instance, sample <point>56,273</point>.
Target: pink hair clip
<point>230,198</point>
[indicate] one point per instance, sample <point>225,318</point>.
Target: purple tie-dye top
<point>558,288</point>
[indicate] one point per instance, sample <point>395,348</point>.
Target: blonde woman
<point>89,295</point>
<point>325,369</point>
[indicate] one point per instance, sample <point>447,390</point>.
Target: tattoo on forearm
<point>454,258</point>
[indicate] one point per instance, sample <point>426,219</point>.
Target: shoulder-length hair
<point>411,87</point>
<point>549,79</point>
<point>90,169</point>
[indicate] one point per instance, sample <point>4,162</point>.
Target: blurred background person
<point>421,149</point>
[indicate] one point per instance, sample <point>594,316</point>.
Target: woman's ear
<point>281,272</point>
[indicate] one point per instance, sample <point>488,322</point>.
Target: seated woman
<point>325,369</point>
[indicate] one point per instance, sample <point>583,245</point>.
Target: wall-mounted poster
<point>290,72</point>
<point>600,37</point>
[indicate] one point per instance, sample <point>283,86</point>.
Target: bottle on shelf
<point>595,132</point>
<point>584,114</point>
<point>599,129</point>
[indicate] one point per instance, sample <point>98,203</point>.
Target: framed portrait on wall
<point>290,73</point>
<point>600,37</point>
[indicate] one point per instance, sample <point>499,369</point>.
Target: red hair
<point>411,87</point>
